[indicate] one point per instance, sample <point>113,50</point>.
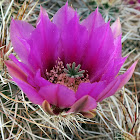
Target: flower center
<point>74,72</point>
<point>71,76</point>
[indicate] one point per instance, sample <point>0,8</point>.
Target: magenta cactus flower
<point>67,66</point>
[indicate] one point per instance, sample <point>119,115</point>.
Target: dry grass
<point>117,117</point>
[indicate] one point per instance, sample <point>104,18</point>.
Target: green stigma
<point>74,72</point>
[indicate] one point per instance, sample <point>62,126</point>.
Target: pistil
<point>74,72</point>
<point>71,76</point>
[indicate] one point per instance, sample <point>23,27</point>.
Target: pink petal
<point>73,41</point>
<point>112,69</point>
<point>15,71</point>
<point>30,75</point>
<point>58,95</point>
<point>37,81</point>
<point>100,50</point>
<point>31,93</point>
<point>116,28</point>
<point>92,89</point>
<point>117,84</point>
<point>20,31</point>
<point>84,104</point>
<point>118,46</point>
<point>40,81</point>
<point>109,90</point>
<point>63,16</point>
<point>22,66</point>
<point>93,21</point>
<point>44,43</point>
<point>127,75</point>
